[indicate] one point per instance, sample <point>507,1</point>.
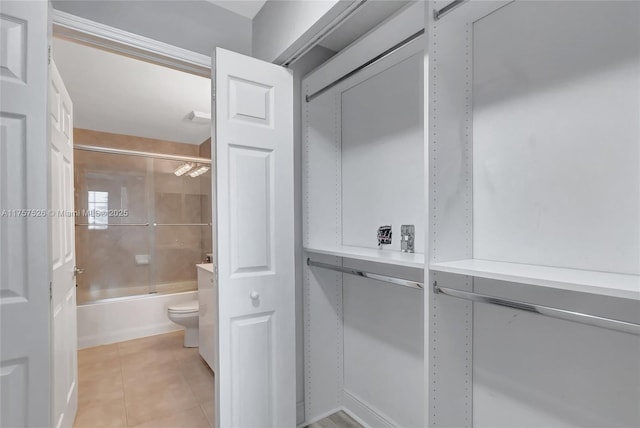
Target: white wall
<point>281,27</point>
<point>383,355</point>
<point>386,153</point>
<point>194,25</point>
<point>556,159</point>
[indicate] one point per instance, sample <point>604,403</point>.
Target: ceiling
<point>368,16</point>
<point>247,8</point>
<point>121,95</point>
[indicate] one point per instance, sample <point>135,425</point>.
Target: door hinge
<point>49,55</point>
<point>50,290</point>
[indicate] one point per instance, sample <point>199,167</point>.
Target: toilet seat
<point>184,308</point>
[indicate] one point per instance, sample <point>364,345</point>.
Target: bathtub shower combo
<point>143,223</point>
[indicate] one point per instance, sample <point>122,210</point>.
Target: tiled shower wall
<point>131,260</point>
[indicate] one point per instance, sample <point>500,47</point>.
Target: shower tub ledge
<point>111,321</point>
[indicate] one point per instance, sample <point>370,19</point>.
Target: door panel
<point>251,197</point>
<point>255,377</point>
<point>63,287</point>
<point>254,369</point>
<point>24,249</point>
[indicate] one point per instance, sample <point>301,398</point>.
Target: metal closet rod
<point>367,64</point>
<point>437,14</point>
<point>364,274</point>
<point>111,150</point>
<point>579,317</point>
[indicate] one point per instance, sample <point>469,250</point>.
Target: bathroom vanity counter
<point>206,266</point>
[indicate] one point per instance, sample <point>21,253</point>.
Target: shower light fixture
<point>199,171</point>
<point>183,169</point>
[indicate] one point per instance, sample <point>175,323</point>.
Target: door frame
<point>94,34</point>
<point>91,33</point>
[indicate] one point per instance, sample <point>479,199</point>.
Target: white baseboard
<point>364,413</point>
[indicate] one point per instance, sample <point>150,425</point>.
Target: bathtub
<point>115,320</point>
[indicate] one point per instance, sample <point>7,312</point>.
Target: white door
<point>63,256</point>
<point>24,237</point>
<point>255,376</point>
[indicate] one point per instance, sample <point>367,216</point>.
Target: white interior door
<point>24,250</point>
<point>63,255</point>
<point>255,377</point>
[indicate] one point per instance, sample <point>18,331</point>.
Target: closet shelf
<point>585,281</point>
<point>389,257</point>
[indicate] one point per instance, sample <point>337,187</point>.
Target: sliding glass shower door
<point>142,224</point>
<point>181,224</point>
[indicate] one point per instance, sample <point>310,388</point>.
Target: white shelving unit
<point>534,201</point>
<point>363,167</point>
<point>585,281</point>
<point>388,257</point>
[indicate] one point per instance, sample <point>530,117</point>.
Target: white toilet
<point>186,314</point>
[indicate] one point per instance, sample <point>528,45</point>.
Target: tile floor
<point>149,382</point>
<point>153,382</point>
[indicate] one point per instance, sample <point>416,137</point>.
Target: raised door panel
<point>251,204</point>
<point>13,245</point>
<point>57,205</point>
<point>24,238</point>
<point>13,48</point>
<point>250,102</point>
<point>14,393</point>
<point>252,371</point>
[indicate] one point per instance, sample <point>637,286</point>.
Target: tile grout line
<point>124,393</point>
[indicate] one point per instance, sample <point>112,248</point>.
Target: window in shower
<point>97,209</point>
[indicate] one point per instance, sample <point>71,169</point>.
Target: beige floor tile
<point>191,418</point>
<point>152,344</point>
<point>137,372</point>
<point>203,389</point>
<point>145,360</point>
<point>175,340</point>
<point>98,354</point>
<point>101,413</point>
<point>183,353</point>
<point>153,381</point>
<point>194,369</point>
<point>158,400</point>
<point>101,388</point>
<point>209,411</point>
<point>98,371</point>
